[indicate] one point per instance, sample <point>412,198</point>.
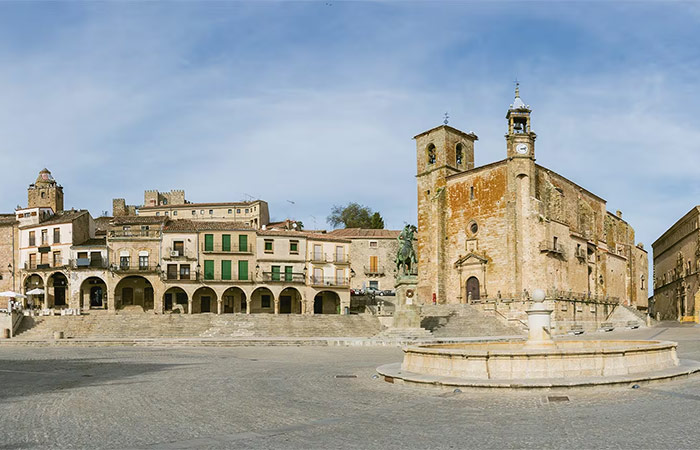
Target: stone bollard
<point>58,334</point>
<point>6,333</point>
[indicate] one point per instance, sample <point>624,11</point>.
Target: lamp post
<point>12,274</point>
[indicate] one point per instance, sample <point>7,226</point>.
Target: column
<point>277,306</point>
<point>189,304</point>
<point>247,306</point>
<point>219,306</point>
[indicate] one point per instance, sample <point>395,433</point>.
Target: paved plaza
<point>292,397</point>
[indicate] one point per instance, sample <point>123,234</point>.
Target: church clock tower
<point>520,138</point>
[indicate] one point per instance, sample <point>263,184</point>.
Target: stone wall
<point>360,253</point>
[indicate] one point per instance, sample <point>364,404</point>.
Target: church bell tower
<point>520,138</point>
<point>45,193</point>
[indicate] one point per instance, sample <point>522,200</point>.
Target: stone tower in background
<point>45,193</point>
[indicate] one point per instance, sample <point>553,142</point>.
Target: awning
<point>12,294</point>
<point>36,291</point>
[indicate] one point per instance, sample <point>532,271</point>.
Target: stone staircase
<point>100,325</point>
<point>464,321</point>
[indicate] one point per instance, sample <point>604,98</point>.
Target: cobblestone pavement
<point>280,397</point>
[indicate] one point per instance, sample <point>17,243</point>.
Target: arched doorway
<point>234,301</point>
<point>175,300</point>
<point>290,301</point>
<point>35,281</point>
<point>57,287</point>
<point>204,300</point>
<point>473,289</point>
<point>327,302</point>
<point>134,291</point>
<point>262,301</point>
<point>93,293</point>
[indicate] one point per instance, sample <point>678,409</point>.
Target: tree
<point>354,215</point>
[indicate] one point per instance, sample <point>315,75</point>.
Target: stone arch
<point>430,153</point>
<point>57,290</point>
<point>234,300</point>
<point>327,302</point>
<point>291,301</point>
<point>134,291</point>
<point>35,281</point>
<point>93,293</point>
<point>262,300</point>
<point>176,300</point>
<point>204,300</point>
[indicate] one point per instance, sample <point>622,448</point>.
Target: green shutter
<point>208,270</point>
<point>288,273</point>
<point>225,269</point>
<point>243,270</point>
<point>275,273</point>
<point>243,243</point>
<point>208,242</point>
<point>226,243</point>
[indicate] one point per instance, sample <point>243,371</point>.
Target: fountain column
<point>539,322</point>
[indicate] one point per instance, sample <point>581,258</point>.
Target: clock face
<point>521,148</point>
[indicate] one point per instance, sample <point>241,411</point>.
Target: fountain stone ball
<point>538,295</point>
<point>539,322</point>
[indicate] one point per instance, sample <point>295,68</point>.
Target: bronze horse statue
<point>406,259</point>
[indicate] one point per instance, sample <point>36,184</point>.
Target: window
<point>373,244</point>
<point>243,270</point>
<point>373,264</point>
<point>165,201</point>
<point>554,242</point>
<point>238,210</point>
<point>56,235</point>
<point>44,237</point>
<point>208,242</point>
<point>317,277</point>
<point>459,154</point>
<point>243,243</point>
<point>340,277</point>
<point>275,273</point>
<point>230,211</point>
<point>157,213</point>
<point>474,228</point>
<point>184,271</point>
<point>288,273</point>
<point>194,212</point>
<point>471,193</point>
<point>172,272</point>
<point>225,269</point>
<point>294,247</point>
<point>339,254</point>
<point>124,262</point>
<point>318,256</point>
<point>57,259</point>
<point>268,245</point>
<point>374,284</point>
<point>32,260</point>
<point>431,154</point>
<point>247,210</point>
<point>208,269</point>
<point>167,213</point>
<point>174,213</point>
<point>226,243</point>
<point>265,301</point>
<point>43,194</point>
<point>201,211</point>
<point>143,262</point>
<point>32,238</point>
<point>211,211</point>
<point>179,247</point>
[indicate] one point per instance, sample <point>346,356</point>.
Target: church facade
<point>501,230</point>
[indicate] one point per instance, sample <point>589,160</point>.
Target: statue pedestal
<point>406,323</point>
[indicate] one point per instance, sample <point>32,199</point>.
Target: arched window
<point>459,154</point>
<point>641,282</point>
<point>431,154</point>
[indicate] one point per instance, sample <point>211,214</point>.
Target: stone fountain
<point>538,362</point>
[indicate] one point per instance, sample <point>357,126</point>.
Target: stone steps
<point>457,320</point>
<point>135,326</point>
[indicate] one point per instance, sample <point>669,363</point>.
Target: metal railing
<point>282,277</point>
<point>88,263</point>
<point>134,233</point>
<point>374,270</point>
<point>234,248</point>
<point>329,281</point>
<point>43,266</point>
<point>319,258</point>
<point>234,278</point>
<point>134,267</point>
<point>551,247</point>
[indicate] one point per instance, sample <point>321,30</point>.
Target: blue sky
<point>317,104</point>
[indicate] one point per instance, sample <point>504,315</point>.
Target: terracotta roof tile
<point>350,233</point>
<point>205,225</point>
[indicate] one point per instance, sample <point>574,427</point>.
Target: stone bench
<point>606,326</point>
<point>632,324</point>
<point>576,329</point>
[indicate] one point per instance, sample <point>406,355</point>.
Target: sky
<point>311,104</point>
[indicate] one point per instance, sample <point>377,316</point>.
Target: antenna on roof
<point>447,117</point>
<point>250,197</point>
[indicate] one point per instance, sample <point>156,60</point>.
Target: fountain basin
<point>518,363</point>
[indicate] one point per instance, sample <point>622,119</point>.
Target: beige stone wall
<point>9,248</point>
<point>360,253</point>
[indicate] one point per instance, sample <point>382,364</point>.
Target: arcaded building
<point>506,228</point>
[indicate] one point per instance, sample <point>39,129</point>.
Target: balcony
<point>88,263</point>
<point>235,248</point>
<point>136,268</point>
<point>130,234</point>
<point>330,281</point>
<point>341,259</point>
<point>216,278</point>
<point>43,266</point>
<point>182,276</point>
<point>375,271</point>
<point>281,277</point>
<point>320,258</point>
<point>552,247</point>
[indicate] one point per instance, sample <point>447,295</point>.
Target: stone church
<point>501,230</point>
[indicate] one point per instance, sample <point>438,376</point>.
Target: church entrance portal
<point>473,288</point>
